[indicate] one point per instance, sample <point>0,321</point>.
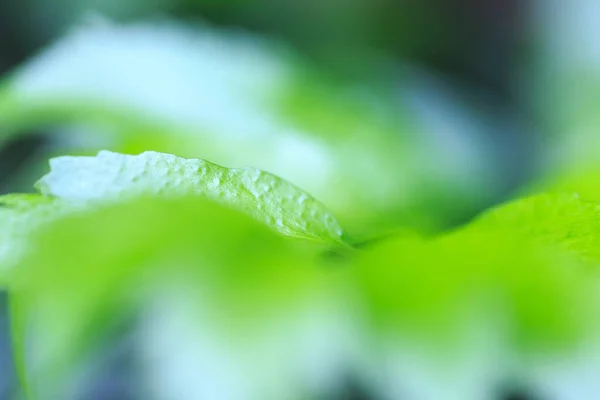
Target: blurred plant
<point>566,93</point>
<point>241,285</point>
<point>268,317</point>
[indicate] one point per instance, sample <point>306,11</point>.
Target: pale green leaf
<point>266,197</point>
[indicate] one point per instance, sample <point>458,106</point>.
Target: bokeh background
<point>473,60</point>
<point>486,99</point>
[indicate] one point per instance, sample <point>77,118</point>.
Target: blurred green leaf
<point>525,265</point>
<point>532,297</point>
<point>86,270</point>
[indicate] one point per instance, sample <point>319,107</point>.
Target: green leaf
<point>72,272</point>
<point>561,219</point>
<point>526,265</point>
<point>89,269</point>
<point>532,296</point>
<point>266,197</point>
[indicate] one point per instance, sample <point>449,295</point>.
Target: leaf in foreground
<point>266,197</point>
<point>90,269</point>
